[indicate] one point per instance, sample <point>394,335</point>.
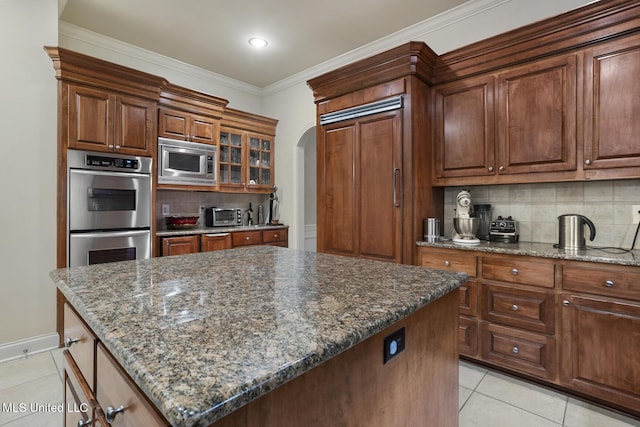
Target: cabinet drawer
<point>525,271</point>
<point>77,395</point>
<point>448,260</point>
<point>115,389</point>
<point>528,309</point>
<point>180,245</point>
<point>272,236</point>
<point>81,343</point>
<point>215,242</point>
<point>519,350</point>
<point>467,336</point>
<point>606,280</point>
<point>469,298</point>
<point>243,238</point>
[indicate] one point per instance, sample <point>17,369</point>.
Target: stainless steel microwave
<point>186,163</point>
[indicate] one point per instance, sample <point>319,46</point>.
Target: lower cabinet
<point>181,245</point>
<point>215,242</point>
<point>116,401</point>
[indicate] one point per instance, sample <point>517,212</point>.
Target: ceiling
<point>214,34</point>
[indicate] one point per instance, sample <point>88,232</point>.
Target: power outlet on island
<point>393,345</point>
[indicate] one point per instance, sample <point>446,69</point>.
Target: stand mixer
<point>465,225</point>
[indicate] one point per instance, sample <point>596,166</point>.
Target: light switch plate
<point>165,210</point>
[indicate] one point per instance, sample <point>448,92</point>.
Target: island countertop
<point>204,334</point>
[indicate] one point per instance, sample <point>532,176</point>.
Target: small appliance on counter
<point>504,230</point>
<point>571,231</point>
<point>223,217</point>
<point>465,225</point>
<point>483,212</point>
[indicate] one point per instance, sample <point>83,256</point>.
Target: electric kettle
<point>571,231</point>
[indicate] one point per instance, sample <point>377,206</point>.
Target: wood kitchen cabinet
<point>181,125</point>
<point>374,155</point>
<point>180,245</point>
<point>215,242</point>
<point>100,120</point>
<point>601,332</point>
<point>247,152</point>
<point>611,124</point>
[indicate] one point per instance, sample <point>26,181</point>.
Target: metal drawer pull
<point>68,342</point>
<point>515,271</point>
<point>515,350</point>
<point>275,236</point>
<point>247,238</point>
<point>609,283</point>
<point>84,423</point>
<point>565,303</point>
<point>112,412</point>
<point>515,307</point>
<point>447,263</point>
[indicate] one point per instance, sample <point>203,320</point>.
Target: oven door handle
<point>110,173</point>
<point>128,233</point>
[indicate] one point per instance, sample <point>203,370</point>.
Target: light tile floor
<point>487,399</point>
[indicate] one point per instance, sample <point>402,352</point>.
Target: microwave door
<point>179,162</point>
<point>100,200</point>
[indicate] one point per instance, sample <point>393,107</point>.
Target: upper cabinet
<point>246,155</point>
<point>103,106</point>
<point>612,106</point>
<point>552,101</point>
<point>188,115</point>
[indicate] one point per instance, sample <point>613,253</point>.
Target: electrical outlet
<point>635,214</point>
<point>393,345</point>
<point>165,210</point>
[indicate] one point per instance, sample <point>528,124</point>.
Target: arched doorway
<point>306,197</point>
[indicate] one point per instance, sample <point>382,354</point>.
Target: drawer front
<point>525,271</point>
<point>467,336</point>
<point>606,280</point>
<point>528,309</point>
<point>77,396</point>
<point>244,238</point>
<point>215,242</point>
<point>115,389</point>
<point>448,260</point>
<point>469,298</point>
<point>527,352</point>
<point>81,343</point>
<point>272,236</point>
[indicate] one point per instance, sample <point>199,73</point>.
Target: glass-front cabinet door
<point>260,162</point>
<point>231,159</point>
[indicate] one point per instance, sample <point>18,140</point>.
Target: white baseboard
<point>16,350</point>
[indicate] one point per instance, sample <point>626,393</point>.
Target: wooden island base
<point>418,387</point>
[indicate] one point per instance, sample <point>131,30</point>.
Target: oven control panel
<point>112,162</point>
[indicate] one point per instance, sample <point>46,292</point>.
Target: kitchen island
<point>274,336</point>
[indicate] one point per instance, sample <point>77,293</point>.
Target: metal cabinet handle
<point>68,342</point>
<point>111,413</point>
<point>84,423</point>
<point>515,272</point>
<point>110,145</point>
<point>247,238</point>
<point>565,303</point>
<point>395,187</point>
<point>514,307</point>
<point>609,284</point>
<point>490,168</point>
<point>501,168</point>
<point>117,147</point>
<point>275,236</point>
<point>587,162</point>
<point>515,350</point>
<point>447,263</point>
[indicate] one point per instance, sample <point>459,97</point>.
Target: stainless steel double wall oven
<point>109,207</point>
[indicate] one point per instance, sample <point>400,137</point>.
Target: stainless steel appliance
<point>186,163</point>
<point>571,231</point>
<point>504,230</point>
<point>223,217</point>
<point>465,225</point>
<point>109,207</point>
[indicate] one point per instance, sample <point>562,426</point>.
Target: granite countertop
<point>203,334</point>
<point>165,232</point>
<point>546,250</point>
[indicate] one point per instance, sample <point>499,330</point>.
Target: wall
<point>536,207</point>
<point>28,172</point>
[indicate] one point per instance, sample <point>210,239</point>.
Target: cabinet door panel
<point>203,129</point>
<point>135,125</point>
<point>173,124</point>
<point>537,117</point>
<point>90,118</point>
<point>380,182</point>
<point>180,245</point>
<point>601,348</point>
<point>336,205</point>
<point>83,343</point>
<point>464,123</point>
<point>467,336</point>
<point>612,90</point>
<point>215,242</point>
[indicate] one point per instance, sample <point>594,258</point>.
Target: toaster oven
<point>223,217</point>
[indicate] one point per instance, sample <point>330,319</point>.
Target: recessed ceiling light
<point>257,42</point>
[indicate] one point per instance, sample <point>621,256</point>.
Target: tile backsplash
<point>536,207</point>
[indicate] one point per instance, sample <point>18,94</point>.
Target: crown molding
<point>68,31</point>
